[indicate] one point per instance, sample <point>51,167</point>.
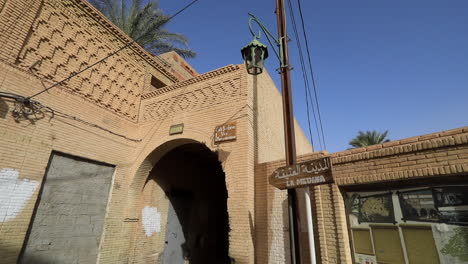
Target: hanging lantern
<point>254,55</point>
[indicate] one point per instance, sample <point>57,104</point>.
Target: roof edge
<point>196,79</point>
<point>442,139</point>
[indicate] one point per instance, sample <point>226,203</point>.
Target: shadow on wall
<point>265,199</point>
<point>8,256</point>
<point>3,108</point>
<point>286,230</point>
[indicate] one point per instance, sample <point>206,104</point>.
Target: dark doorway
<point>197,226</point>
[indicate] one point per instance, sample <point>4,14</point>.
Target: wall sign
<point>176,129</point>
<point>225,132</point>
<point>312,172</point>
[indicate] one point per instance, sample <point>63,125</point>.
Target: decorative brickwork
<point>200,78</point>
<point>59,47</point>
<point>45,41</point>
<point>191,99</point>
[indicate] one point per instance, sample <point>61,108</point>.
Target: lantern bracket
<point>268,36</point>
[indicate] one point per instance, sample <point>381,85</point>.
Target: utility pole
<point>289,136</point>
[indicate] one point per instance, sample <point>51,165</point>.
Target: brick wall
<point>271,219</point>
<point>178,65</point>
<point>435,154</point>
<point>26,146</point>
<point>62,37</point>
<point>428,158</point>
<point>130,131</point>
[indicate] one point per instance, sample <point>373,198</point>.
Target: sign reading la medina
<point>312,172</point>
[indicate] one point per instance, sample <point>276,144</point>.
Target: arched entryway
<point>187,186</point>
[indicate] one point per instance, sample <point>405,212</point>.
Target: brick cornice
<point>458,136</point>
<point>199,78</point>
<point>125,38</point>
<point>406,173</point>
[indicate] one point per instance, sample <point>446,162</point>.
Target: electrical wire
<point>304,75</point>
<point>31,110</point>
<point>27,109</point>
<point>108,56</point>
<point>311,69</point>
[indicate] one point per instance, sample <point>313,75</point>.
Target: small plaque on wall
<point>176,129</point>
<point>225,132</point>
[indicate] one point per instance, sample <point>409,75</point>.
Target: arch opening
<point>192,181</point>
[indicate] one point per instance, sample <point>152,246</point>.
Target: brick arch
<point>154,150</point>
<point>152,158</point>
<point>140,180</point>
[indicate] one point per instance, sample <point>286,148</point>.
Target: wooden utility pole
<point>289,136</point>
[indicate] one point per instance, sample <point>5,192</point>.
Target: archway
<point>190,180</point>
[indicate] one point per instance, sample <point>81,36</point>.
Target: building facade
<point>123,161</point>
<point>141,159</point>
<point>404,201</point>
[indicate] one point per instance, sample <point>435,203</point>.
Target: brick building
<point>126,162</point>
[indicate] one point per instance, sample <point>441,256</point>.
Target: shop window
<point>418,205</point>
<point>376,208</point>
<point>431,227</point>
<point>440,204</point>
<point>452,204</point>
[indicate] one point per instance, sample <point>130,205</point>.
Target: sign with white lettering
<point>225,132</point>
<point>312,172</point>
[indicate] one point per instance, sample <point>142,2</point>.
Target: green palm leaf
<point>369,138</point>
<point>144,22</point>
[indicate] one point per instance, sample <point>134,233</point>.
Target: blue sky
<point>393,65</point>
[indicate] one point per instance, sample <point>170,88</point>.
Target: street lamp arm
<point>264,29</point>
<point>267,34</point>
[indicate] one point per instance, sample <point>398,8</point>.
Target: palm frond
<point>162,47</point>
<point>144,22</point>
<point>368,138</point>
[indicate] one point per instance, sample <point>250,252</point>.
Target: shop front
<point>419,224</point>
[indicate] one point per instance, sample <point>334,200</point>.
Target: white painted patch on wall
<point>14,193</point>
<point>151,220</point>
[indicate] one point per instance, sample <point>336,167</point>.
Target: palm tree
<point>369,138</point>
<point>144,22</point>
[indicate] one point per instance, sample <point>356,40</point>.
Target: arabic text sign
<point>313,172</point>
<point>226,132</point>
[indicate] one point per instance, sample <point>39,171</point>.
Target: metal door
<point>175,250</point>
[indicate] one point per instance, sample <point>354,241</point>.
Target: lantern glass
<point>254,55</point>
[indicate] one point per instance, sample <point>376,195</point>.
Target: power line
<point>27,109</point>
<point>304,74</point>
<point>108,56</point>
<point>31,110</point>
<point>311,69</point>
